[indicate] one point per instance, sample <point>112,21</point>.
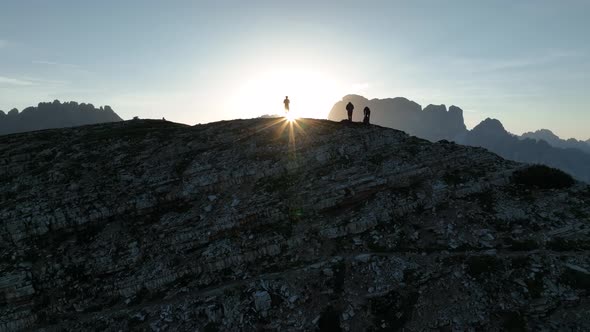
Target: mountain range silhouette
<point>54,115</point>
<point>554,140</point>
<point>435,123</point>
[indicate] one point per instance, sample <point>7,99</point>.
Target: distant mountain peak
<point>541,134</point>
<point>435,108</point>
<point>47,115</point>
<point>554,140</point>
<point>545,131</point>
<point>455,109</point>
<point>490,126</point>
<point>433,122</point>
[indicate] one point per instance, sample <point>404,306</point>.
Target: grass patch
<point>453,178</point>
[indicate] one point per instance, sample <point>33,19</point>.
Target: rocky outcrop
<point>433,123</point>
<point>54,115</point>
<point>260,225</point>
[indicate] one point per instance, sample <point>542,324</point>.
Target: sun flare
<point>312,93</point>
<point>291,116</point>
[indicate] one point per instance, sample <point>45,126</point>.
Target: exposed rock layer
<point>240,225</point>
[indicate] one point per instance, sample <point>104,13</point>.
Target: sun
<point>291,116</point>
<point>312,93</point>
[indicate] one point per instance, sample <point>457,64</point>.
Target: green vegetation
<point>542,177</point>
<point>477,266</point>
<point>535,286</point>
<point>453,177</point>
<point>576,279</point>
<point>376,247</point>
<point>512,321</point>
<point>523,244</point>
<point>329,320</point>
<point>392,310</point>
<point>564,244</point>
<point>339,276</point>
<point>279,183</point>
<point>377,158</point>
<point>212,327</point>
<point>486,200</point>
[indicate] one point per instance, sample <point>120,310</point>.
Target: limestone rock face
<point>433,123</point>
<point>262,225</point>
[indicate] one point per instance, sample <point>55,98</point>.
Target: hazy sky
<point>526,63</point>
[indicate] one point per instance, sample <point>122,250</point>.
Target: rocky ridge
<point>257,225</point>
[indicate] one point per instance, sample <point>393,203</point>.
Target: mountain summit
<point>266,225</point>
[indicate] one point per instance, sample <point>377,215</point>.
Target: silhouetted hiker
<point>349,108</point>
<point>286,102</point>
<point>367,112</point>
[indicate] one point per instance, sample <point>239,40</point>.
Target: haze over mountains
<point>54,115</point>
<point>554,140</point>
<point>435,123</point>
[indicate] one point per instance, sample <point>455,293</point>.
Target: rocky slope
<point>239,225</point>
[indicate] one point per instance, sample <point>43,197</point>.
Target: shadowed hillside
<point>54,115</point>
<point>260,225</point>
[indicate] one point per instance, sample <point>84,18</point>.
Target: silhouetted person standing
<point>349,109</point>
<point>367,113</point>
<point>286,102</point>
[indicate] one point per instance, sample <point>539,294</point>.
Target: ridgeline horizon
<point>434,122</point>
<point>545,134</point>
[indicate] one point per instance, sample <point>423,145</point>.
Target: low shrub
<point>543,177</point>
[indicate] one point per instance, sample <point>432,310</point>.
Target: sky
<point>525,63</point>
